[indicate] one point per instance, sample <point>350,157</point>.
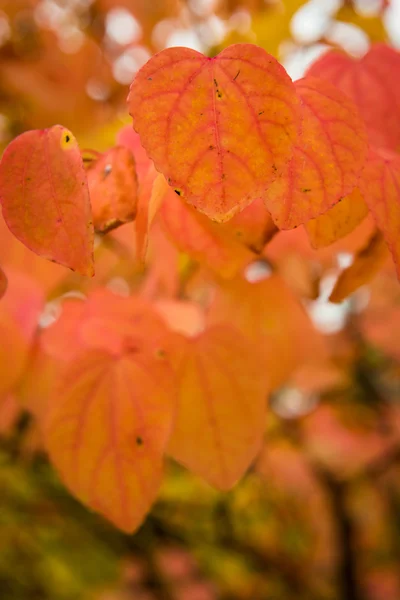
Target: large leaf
<point>374,85</point>
<point>327,160</point>
<point>220,418</point>
<point>107,430</point>
<point>220,129</point>
<point>45,197</point>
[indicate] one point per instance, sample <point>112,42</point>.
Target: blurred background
<point>318,516</point>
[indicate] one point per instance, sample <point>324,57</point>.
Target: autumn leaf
<point>113,189</point>
<point>221,410</point>
<point>107,431</point>
<point>152,194</point>
<point>269,314</point>
<point>220,129</point>
<point>3,283</point>
<point>380,186</point>
<point>327,160</point>
<point>252,227</point>
<point>373,84</point>
<point>338,221</point>
<point>209,243</point>
<point>19,313</point>
<point>366,265</point>
<point>45,199</point>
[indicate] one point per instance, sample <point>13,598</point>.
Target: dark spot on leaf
<point>67,138</point>
<point>149,79</point>
<point>261,112</point>
<point>160,353</point>
<point>219,95</point>
<point>305,190</point>
<point>139,441</point>
<point>215,83</point>
<point>274,167</point>
<point>211,147</point>
<point>236,76</point>
<point>178,192</point>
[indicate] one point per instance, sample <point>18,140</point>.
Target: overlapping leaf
<point>209,243</point>
<point>380,186</point>
<point>221,407</point>
<point>219,129</point>
<point>338,221</point>
<point>365,266</point>
<point>107,430</point>
<point>113,189</point>
<point>327,161</point>
<point>374,85</point>
<point>268,313</point>
<point>45,199</point>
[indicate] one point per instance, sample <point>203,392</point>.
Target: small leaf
<point>221,410</point>
<point>209,243</point>
<point>338,221</point>
<point>327,161</point>
<point>366,265</point>
<point>220,129</point>
<point>3,283</point>
<point>45,197</point>
<point>380,186</point>
<point>373,84</point>
<point>113,189</point>
<point>107,431</point>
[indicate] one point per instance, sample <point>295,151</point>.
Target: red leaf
<point>220,418</point>
<point>220,129</point>
<point>327,161</point>
<point>107,431</point>
<point>374,85</point>
<point>113,189</point>
<point>45,197</point>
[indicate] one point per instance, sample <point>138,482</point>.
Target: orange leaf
<point>3,283</point>
<point>128,138</point>
<point>107,431</point>
<point>252,227</point>
<point>338,221</point>
<point>152,193</point>
<point>366,265</point>
<point>19,313</point>
<point>373,84</point>
<point>207,242</point>
<point>327,161</point>
<point>380,186</point>
<point>268,314</point>
<point>220,418</point>
<point>45,197</point>
<point>113,189</point>
<point>220,129</point>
